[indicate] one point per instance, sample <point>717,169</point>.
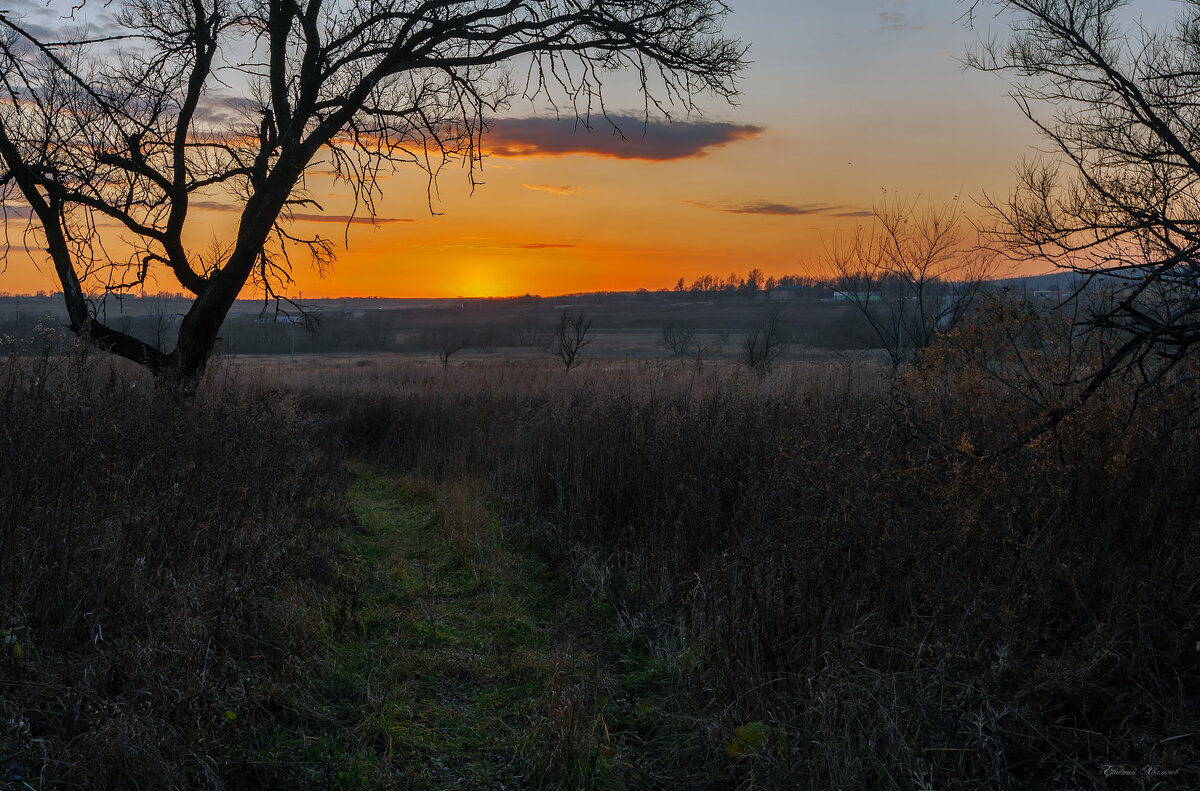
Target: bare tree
<point>678,337</point>
<point>708,350</point>
<point>570,336</point>
<point>912,272</point>
<point>530,333</point>
<point>170,106</point>
<point>449,342</point>
<point>764,343</point>
<point>1117,197</point>
<point>754,282</point>
<point>160,320</point>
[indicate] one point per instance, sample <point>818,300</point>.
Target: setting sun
<point>824,125</point>
<point>476,279</point>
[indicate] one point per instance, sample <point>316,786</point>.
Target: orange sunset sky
<point>844,99</point>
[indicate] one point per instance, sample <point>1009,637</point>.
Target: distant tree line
<point>755,282</point>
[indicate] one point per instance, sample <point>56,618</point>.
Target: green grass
<point>453,658</point>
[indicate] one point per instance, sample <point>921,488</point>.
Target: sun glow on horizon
<point>837,107</point>
<point>479,279</point>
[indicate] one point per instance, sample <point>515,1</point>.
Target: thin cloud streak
<point>890,21</point>
<point>491,245</point>
<point>344,219</point>
<point>772,209</point>
<point>552,188</point>
<point>15,212</point>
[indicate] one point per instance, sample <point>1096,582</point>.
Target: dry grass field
<point>622,326</point>
<point>372,570</point>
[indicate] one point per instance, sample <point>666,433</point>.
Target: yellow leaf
<point>750,739</point>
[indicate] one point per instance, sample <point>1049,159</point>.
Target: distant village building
<point>1052,295</point>
<point>850,296</point>
<point>280,318</point>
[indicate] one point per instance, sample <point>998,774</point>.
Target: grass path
<point>442,633</point>
<point>456,660</point>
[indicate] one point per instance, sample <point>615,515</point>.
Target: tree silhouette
<point>570,336</point>
<point>448,342</point>
<point>175,105</point>
<point>678,337</point>
<point>912,272</point>
<point>1117,198</point>
<point>764,343</point>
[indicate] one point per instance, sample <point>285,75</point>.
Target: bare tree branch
<point>913,272</point>
<point>194,102</point>
<point>1117,197</point>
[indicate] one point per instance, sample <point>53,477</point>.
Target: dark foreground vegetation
<point>818,578</point>
<point>156,563</point>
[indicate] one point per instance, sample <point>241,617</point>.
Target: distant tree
<point>570,337</point>
<point>705,351</point>
<point>530,334</point>
<point>764,343</point>
<point>754,282</point>
<point>160,319</point>
<point>678,338</point>
<point>912,272</point>
<point>181,104</point>
<point>378,327</point>
<point>450,341</point>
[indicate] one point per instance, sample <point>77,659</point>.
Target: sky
<point>844,101</point>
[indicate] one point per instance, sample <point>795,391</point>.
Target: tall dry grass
<point>156,558</point>
<point>801,556</point>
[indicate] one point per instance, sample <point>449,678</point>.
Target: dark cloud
<point>487,244</point>
<point>782,209</point>
<point>224,110</point>
<point>785,209</point>
<point>15,212</point>
<point>47,24</point>
<point>346,218</point>
<point>890,21</point>
<point>557,189</point>
<point>343,219</point>
<point>41,32</point>
<point>213,205</point>
<point>654,140</point>
<point>21,11</point>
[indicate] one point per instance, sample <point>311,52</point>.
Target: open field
<point>624,325</point>
<point>373,571</point>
